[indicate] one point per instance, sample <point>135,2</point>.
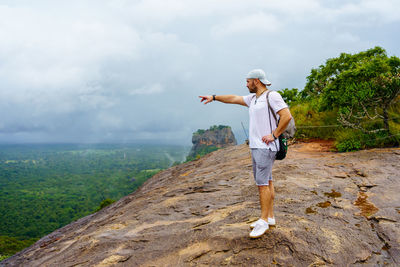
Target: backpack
<point>288,133</point>
<point>290,129</point>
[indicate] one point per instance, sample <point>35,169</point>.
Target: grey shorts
<point>263,159</point>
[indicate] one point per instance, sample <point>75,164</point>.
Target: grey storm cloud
<point>132,71</point>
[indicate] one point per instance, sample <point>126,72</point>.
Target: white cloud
<point>42,54</point>
<point>148,90</point>
<point>259,23</point>
<point>346,37</point>
<point>384,12</point>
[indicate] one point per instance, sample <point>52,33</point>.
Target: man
<point>263,139</point>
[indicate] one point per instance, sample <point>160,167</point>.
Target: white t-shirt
<point>259,125</point>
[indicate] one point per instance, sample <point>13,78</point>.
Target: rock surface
<point>220,137</point>
<point>331,210</point>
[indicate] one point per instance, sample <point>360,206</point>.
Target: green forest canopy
<point>44,187</point>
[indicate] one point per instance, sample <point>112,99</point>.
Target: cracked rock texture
<point>331,209</point>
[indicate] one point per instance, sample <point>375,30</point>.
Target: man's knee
<point>266,191</point>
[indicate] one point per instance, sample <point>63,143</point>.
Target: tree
<point>290,96</point>
<point>105,203</point>
<point>363,86</point>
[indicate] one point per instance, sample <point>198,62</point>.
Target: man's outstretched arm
<point>229,99</point>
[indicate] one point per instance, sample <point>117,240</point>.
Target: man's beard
<point>252,90</point>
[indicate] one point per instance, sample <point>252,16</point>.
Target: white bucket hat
<point>258,74</point>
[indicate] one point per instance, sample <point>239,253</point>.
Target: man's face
<point>251,85</point>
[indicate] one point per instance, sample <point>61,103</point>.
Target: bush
<point>308,117</point>
<point>3,257</point>
<point>200,131</point>
<point>11,245</point>
<point>352,140</point>
<point>306,114</point>
<point>202,150</point>
<point>219,127</point>
<point>105,203</point>
<point>212,128</point>
<point>348,140</point>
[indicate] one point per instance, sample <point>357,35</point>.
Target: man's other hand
<point>207,98</point>
<point>268,139</point>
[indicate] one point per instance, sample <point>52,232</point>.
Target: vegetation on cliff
<point>353,99</point>
<point>212,128</point>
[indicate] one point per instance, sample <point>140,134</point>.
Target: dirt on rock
<point>331,209</point>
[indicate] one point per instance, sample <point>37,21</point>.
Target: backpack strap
<point>269,106</point>
<point>269,117</point>
<point>252,98</point>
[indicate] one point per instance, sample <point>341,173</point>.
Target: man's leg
<point>271,202</point>
<point>261,226</point>
<point>265,199</point>
<point>263,160</point>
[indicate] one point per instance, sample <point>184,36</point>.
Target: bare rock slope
<point>331,210</point>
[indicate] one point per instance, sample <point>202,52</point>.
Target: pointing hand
<point>207,98</point>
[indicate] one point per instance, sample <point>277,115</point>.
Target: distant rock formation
<point>205,141</point>
<point>331,209</point>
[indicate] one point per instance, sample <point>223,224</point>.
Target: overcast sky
<point>132,71</point>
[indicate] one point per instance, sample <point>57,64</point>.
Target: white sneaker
<point>271,221</point>
<point>259,229</point>
<point>254,223</point>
